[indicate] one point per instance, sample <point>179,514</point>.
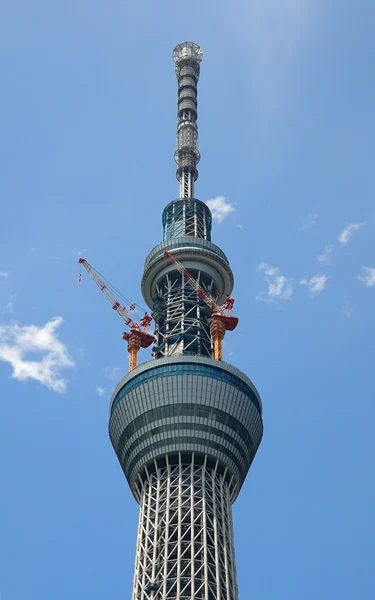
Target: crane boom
<point>222,319</point>
<point>138,336</point>
<point>205,296</point>
<point>121,310</point>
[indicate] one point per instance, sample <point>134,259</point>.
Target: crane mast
<point>138,336</point>
<point>222,319</point>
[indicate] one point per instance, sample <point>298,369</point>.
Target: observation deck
<point>188,405</point>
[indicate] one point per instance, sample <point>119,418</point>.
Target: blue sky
<point>286,132</point>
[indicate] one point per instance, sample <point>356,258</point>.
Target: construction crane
<point>138,335</point>
<point>222,319</point>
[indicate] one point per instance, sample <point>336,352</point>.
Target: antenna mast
<point>187,58</point>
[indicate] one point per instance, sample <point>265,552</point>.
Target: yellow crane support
<point>217,332</point>
<point>134,345</point>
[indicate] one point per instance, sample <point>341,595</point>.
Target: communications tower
<point>185,425</point>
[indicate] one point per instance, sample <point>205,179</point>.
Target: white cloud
<point>220,208</point>
<point>368,276</point>
<point>310,220</point>
<point>279,287</point>
<point>267,269</point>
<point>316,284</point>
<point>238,225</point>
<point>18,341</point>
<point>325,257</point>
<point>113,373</point>
<point>101,391</point>
<point>4,274</point>
<point>347,233</point>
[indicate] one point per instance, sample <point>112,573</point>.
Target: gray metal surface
<point>197,254</point>
<point>176,405</point>
<point>187,57</point>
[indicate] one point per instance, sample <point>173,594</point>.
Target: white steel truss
<point>186,185</point>
<point>185,546</point>
<point>181,319</point>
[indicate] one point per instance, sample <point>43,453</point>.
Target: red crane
<point>138,335</point>
<point>222,319</point>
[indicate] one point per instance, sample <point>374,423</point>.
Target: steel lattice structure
<point>185,546</point>
<point>185,426</point>
<point>181,317</point>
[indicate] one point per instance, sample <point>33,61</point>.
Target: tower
<point>185,427</point>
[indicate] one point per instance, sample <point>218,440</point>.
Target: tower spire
<point>187,57</point>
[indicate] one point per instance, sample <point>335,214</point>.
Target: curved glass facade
<point>180,369</point>
<point>174,405</point>
<point>187,217</point>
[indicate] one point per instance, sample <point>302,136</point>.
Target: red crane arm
<point>220,313</point>
<point>121,310</point>
<point>205,296</point>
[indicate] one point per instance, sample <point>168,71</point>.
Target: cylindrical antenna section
<point>187,57</point>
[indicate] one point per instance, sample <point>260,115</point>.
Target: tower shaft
<point>185,546</point>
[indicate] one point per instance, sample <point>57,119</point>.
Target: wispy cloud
<point>4,274</point>
<point>348,232</point>
<point>315,284</point>
<point>220,208</point>
<point>113,373</point>
<point>101,391</point>
<point>325,257</point>
<point>81,252</point>
<point>271,271</point>
<point>367,276</point>
<point>310,220</point>
<point>279,286</point>
<point>16,342</point>
<point>347,309</point>
<point>10,308</point>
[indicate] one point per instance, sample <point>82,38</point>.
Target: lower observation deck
<point>186,405</point>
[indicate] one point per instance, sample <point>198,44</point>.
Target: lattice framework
<point>185,546</point>
<point>181,318</point>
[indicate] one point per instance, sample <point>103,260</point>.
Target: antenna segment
<point>187,58</point>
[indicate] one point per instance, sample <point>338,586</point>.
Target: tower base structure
<point>185,546</point>
<point>185,430</point>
